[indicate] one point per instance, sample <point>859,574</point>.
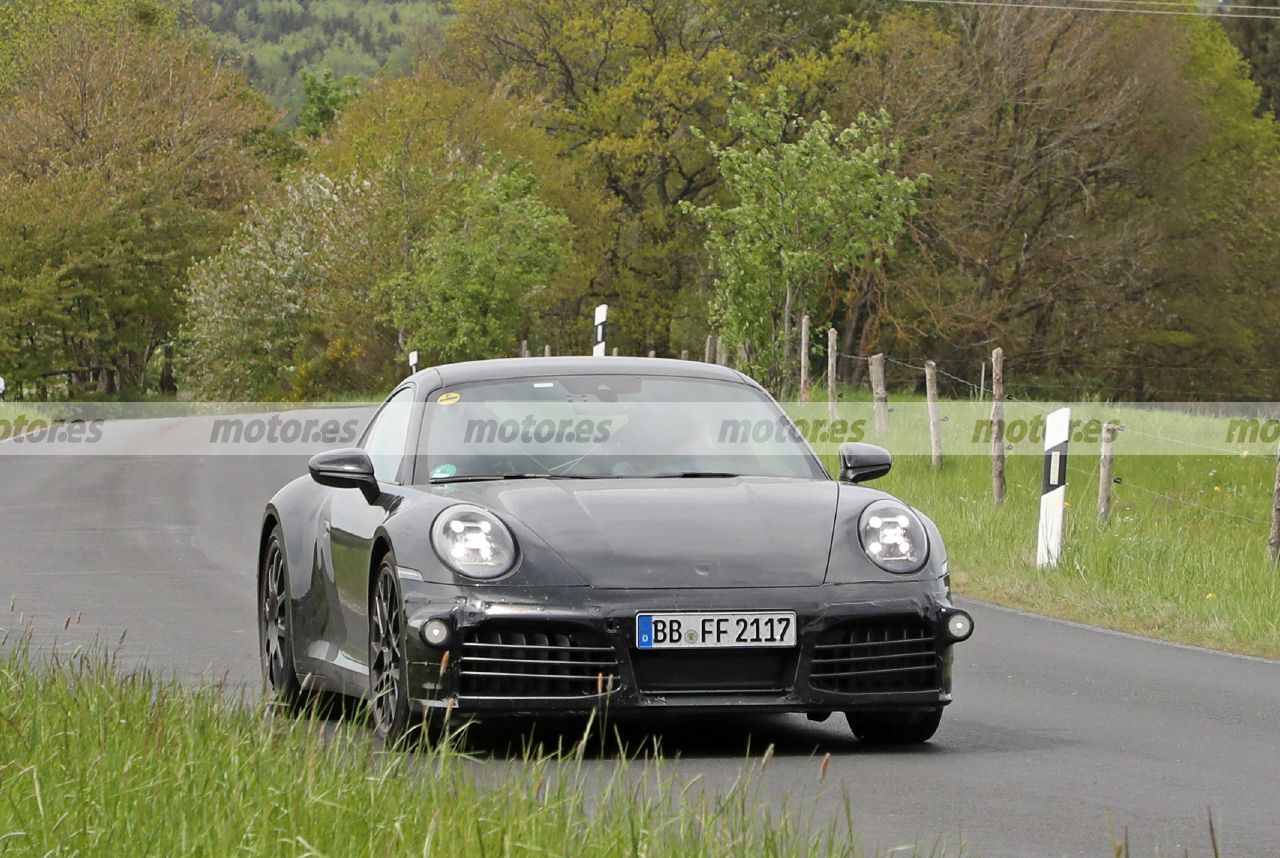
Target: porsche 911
<point>555,536</point>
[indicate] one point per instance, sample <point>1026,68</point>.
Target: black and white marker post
<point>1053,492</point>
<point>602,314</point>
<point>413,362</point>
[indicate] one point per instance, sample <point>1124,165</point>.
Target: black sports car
<point>557,535</point>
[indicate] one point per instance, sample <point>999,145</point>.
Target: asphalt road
<point>1060,733</point>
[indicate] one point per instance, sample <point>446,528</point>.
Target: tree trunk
<point>167,384</point>
<point>862,315</point>
<point>847,341</point>
<point>852,324</point>
<point>786,332</point>
<point>860,366</point>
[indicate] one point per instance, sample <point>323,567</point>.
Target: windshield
<point>608,426</point>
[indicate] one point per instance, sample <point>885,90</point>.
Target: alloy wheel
<point>387,666</point>
<point>274,620</point>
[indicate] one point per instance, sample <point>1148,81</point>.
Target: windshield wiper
<point>691,475</point>
<point>481,478</point>
<point>485,478</point>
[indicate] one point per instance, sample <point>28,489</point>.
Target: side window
<point>387,436</point>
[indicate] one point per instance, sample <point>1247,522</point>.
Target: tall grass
<point>96,762</point>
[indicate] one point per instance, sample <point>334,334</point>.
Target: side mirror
<point>862,462</point>
<point>346,469</point>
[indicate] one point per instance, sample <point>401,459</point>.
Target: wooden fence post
<point>524,348</point>
<point>997,427</point>
<point>881,396</point>
<point>1104,472</point>
<point>722,355</point>
<point>684,354</point>
<point>831,375</point>
<point>711,349</point>
<point>935,425</point>
<point>1274,544</point>
<point>804,358</point>
<point>546,352</point>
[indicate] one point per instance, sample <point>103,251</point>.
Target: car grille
<point>876,658</point>
<point>536,662</point>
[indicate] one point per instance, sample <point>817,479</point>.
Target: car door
<point>354,522</point>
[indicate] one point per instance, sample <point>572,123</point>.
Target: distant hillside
<point>277,39</point>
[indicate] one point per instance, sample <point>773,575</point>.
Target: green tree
<point>30,27</point>
<point>284,311</point>
<point>323,97</point>
<point>494,246</point>
<point>1025,124</point>
<point>125,154</point>
<point>1216,189</point>
<point>807,200</point>
<point>621,84</point>
<point>415,136</point>
<point>1258,39</point>
<point>1101,193</point>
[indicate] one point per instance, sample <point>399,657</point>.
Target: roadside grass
<point>98,762</point>
<point>15,415</point>
<point>1182,558</point>
<point>10,411</point>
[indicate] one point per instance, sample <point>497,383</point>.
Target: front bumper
<point>573,650</point>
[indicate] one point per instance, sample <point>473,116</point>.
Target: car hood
<point>675,533</point>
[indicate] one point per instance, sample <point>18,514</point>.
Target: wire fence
<point>982,390</point>
<point>1168,498</point>
<point>1057,389</point>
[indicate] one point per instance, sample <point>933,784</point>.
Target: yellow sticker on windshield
<point>449,398</point>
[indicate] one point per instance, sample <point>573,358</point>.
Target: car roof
<point>494,370</point>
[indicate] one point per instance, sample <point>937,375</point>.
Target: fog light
<point>435,632</point>
<point>959,625</point>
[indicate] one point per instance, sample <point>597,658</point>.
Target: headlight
<point>893,537</point>
<point>473,541</point>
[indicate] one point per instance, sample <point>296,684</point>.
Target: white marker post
<point>1053,492</point>
<point>602,314</point>
<point>413,361</point>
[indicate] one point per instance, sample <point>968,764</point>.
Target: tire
<point>275,624</point>
<point>388,664</point>
<point>894,728</point>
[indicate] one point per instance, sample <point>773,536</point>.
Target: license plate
<point>721,629</point>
